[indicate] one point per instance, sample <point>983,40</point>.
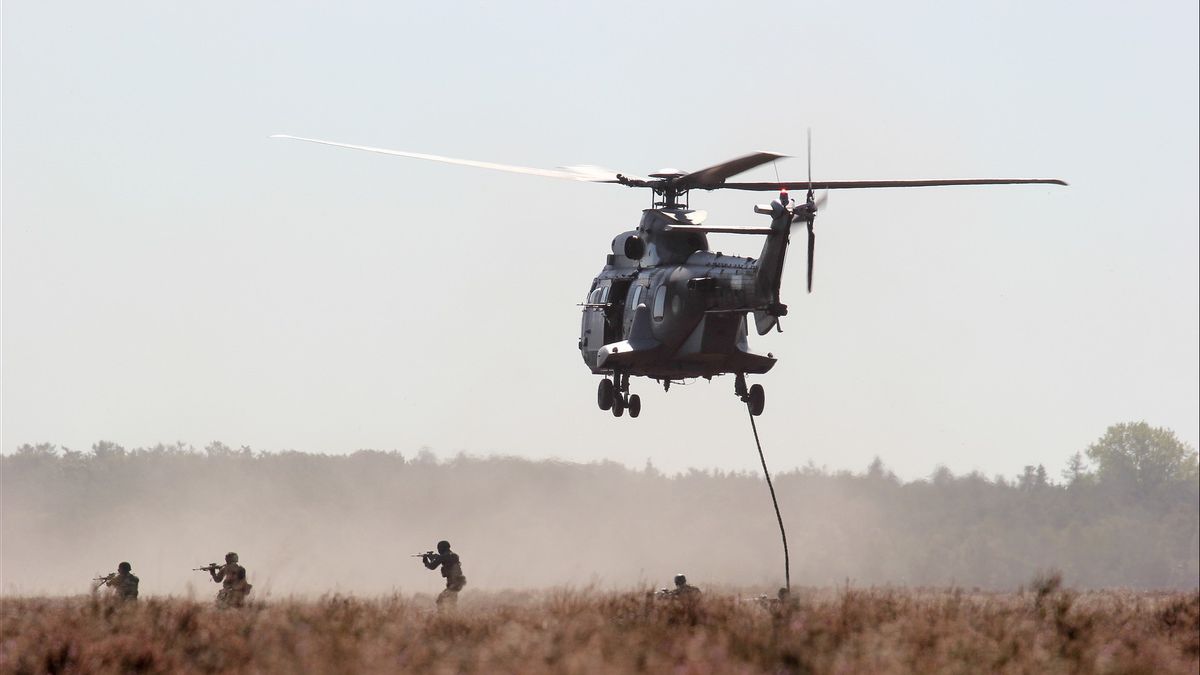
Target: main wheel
<point>618,406</point>
<point>635,405</point>
<point>604,394</point>
<point>758,399</point>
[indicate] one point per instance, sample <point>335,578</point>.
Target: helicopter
<point>665,306</point>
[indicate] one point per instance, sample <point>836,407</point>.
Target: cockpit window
<point>599,295</point>
<point>660,302</point>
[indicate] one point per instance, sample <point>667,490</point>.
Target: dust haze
<point>308,524</point>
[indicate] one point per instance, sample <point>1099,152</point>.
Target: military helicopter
<point>668,308</point>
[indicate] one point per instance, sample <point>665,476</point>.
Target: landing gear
<point>635,405</point>
<point>604,394</point>
<point>613,395</point>
<point>618,406</point>
<point>755,397</point>
<point>758,399</point>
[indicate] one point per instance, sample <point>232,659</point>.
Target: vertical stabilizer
<point>770,269</point>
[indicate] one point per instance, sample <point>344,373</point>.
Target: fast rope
<point>787,564</point>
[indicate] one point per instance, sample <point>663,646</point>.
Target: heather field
<point>880,630</point>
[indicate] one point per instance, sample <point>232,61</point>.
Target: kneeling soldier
<point>232,577</point>
<point>123,583</point>
<point>683,589</point>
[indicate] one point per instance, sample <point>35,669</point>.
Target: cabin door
<point>592,337</point>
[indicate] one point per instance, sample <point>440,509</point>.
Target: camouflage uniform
<point>234,587</point>
<point>124,585</point>
<point>682,589</point>
<point>452,570</point>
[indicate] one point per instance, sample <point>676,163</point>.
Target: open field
<point>568,631</point>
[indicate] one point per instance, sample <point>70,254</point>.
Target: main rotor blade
<point>715,175</point>
<point>855,184</point>
<point>591,174</point>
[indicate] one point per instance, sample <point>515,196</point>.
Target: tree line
<point>1125,512</point>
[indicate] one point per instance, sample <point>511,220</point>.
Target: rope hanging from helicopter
<point>787,565</point>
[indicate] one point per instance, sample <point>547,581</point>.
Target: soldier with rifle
<point>122,582</point>
<point>451,569</point>
<point>232,577</point>
<point>683,590</point>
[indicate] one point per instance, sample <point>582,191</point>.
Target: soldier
<point>683,589</point>
<point>232,577</point>
<point>123,583</point>
<point>451,570</point>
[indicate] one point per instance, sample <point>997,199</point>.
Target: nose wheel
<point>604,395</point>
<point>616,398</point>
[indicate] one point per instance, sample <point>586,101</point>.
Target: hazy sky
<point>170,273</point>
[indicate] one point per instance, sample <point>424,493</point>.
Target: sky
<point>172,274</point>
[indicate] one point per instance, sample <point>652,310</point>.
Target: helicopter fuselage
<point>668,308</point>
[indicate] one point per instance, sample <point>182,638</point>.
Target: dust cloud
<point>307,524</point>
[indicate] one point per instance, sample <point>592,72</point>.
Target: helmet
<point>231,557</point>
<point>124,567</point>
<point>443,546</point>
<point>680,580</point>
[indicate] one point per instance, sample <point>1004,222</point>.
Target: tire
<point>758,399</point>
<point>635,405</point>
<point>604,394</point>
<point>618,406</point>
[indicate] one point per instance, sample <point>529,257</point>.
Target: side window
<point>637,296</point>
<point>660,302</point>
<point>604,293</point>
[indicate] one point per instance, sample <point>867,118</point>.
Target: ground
<point>881,630</point>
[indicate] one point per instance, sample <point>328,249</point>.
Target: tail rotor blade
<point>812,247</point>
<point>810,163</point>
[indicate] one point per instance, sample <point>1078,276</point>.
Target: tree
<point>1137,455</point>
<point>1033,478</point>
<point>877,471</point>
<point>942,475</point>
<point>107,450</point>
<point>1076,470</point>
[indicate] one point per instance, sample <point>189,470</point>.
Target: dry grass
<point>1043,630</point>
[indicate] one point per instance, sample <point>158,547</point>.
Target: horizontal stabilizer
<point>719,230</point>
<point>764,322</point>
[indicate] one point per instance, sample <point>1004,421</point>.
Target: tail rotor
<point>806,212</point>
<point>810,214</point>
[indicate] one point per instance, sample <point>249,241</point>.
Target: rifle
<point>210,568</point>
<point>105,579</point>
<point>422,555</point>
